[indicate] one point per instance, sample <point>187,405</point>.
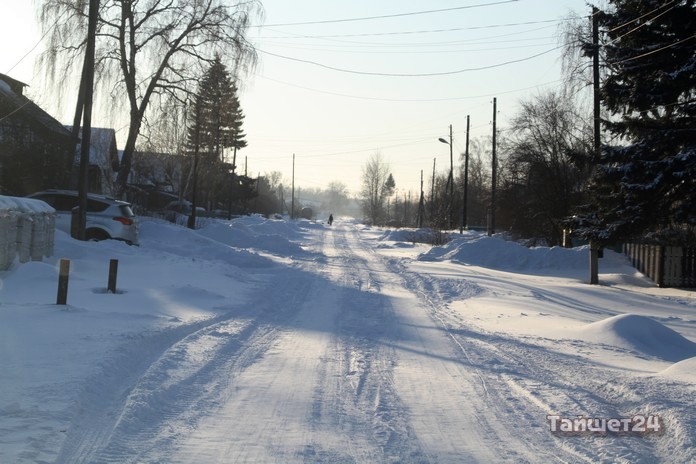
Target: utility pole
<point>282,199</point>
<point>84,109</point>
<point>491,225</point>
<point>432,197</point>
<point>594,247</point>
<point>466,180</point>
<point>292,203</point>
<point>421,205</point>
<point>451,182</point>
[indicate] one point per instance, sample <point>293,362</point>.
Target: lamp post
<point>450,180</point>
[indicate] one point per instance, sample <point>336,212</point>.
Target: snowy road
<point>347,355</point>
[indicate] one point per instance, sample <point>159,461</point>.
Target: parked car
<point>107,218</point>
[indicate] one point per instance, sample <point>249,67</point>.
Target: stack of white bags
<point>27,229</point>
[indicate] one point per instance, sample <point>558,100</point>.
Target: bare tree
<point>479,180</point>
<point>147,50</point>
<point>337,196</point>
<point>544,178</point>
<point>374,187</point>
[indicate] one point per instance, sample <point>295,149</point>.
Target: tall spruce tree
<point>644,186</point>
<point>220,123</point>
<point>215,124</point>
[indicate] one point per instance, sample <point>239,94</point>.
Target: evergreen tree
<point>215,124</point>
<point>219,123</point>
<point>646,186</point>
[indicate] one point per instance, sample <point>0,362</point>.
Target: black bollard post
<point>113,271</point>
<point>63,276</point>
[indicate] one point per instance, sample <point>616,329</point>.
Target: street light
<point>450,181</point>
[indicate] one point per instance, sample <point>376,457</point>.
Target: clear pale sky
<point>376,98</point>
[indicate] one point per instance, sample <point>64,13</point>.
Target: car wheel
<point>96,235</point>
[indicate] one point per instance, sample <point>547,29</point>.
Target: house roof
<point>11,94</point>
<point>102,146</point>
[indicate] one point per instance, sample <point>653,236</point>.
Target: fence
<point>27,229</point>
<point>667,266</point>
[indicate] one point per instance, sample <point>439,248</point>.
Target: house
<point>103,161</point>
<point>36,151</point>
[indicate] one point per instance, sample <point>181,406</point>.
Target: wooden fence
<point>667,266</point>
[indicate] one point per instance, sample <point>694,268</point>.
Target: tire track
<point>157,388</point>
<point>523,383</point>
<point>356,397</point>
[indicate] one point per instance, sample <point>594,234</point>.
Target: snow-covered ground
<point>272,341</point>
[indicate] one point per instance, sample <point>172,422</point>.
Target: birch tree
<point>147,50</point>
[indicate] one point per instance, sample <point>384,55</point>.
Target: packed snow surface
<point>257,340</point>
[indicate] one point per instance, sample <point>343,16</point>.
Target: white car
<point>107,218</point>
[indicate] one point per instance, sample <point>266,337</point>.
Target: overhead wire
<point>416,100</point>
<point>643,55</point>
<point>395,15</point>
<point>426,31</point>
<point>431,74</point>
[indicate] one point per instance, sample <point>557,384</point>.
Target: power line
<point>642,16</point>
<point>443,73</point>
<point>642,24</point>
<point>425,31</point>
<point>473,41</point>
<point>415,100</point>
<point>416,52</point>
<point>653,51</point>
<point>367,18</point>
<point>38,42</point>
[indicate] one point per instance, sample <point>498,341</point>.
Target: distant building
<point>36,151</point>
<point>103,161</point>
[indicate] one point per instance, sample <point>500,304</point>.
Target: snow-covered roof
<point>10,92</point>
<point>102,146</point>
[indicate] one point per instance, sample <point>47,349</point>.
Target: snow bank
<point>257,233</point>
<point>181,241</point>
<point>640,334</point>
<point>407,235</point>
<point>477,249</point>
<point>684,371</point>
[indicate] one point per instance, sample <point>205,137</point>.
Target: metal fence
<point>667,266</point>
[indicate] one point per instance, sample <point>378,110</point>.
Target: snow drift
<point>684,371</point>
<point>476,249</point>
<point>640,334</point>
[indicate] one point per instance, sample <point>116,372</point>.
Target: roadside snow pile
<point>257,233</point>
<point>477,249</point>
<point>407,235</point>
<point>640,334</point>
<point>493,252</point>
<point>180,241</point>
<point>684,371</point>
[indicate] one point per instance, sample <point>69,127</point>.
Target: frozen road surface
<point>352,352</point>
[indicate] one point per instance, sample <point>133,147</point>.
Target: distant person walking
<point>330,219</point>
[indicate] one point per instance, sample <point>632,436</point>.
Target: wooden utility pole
<point>432,197</point>
<point>594,248</point>
<point>451,181</point>
<point>84,112</point>
<point>491,224</point>
<point>466,180</point>
<point>421,204</point>
<point>292,203</point>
